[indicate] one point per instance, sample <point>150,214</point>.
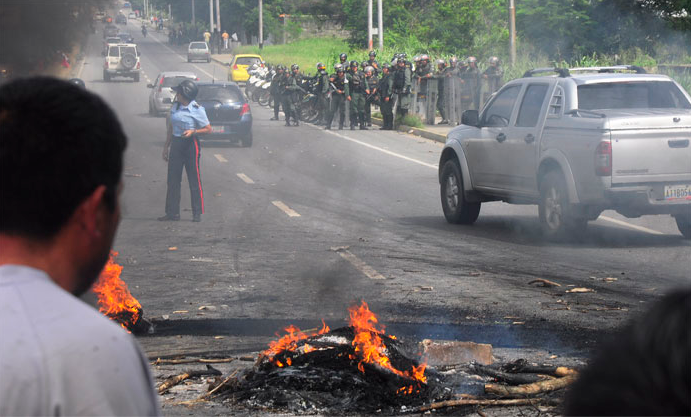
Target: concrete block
<point>455,352</point>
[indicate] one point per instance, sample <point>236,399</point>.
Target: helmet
<point>453,60</point>
<point>424,57</point>
<point>385,66</point>
<point>343,57</point>
<point>320,66</point>
<point>416,58</point>
<point>339,68</point>
<point>372,53</point>
<point>77,81</point>
<point>364,64</point>
<point>280,68</point>
<point>494,60</point>
<point>394,61</point>
<point>369,70</point>
<point>353,63</point>
<point>471,60</point>
<point>403,55</point>
<point>294,67</point>
<point>187,89</point>
<point>441,62</point>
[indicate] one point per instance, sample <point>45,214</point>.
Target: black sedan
<point>228,112</point>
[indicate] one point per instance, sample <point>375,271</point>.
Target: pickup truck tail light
<point>245,109</point>
<point>235,66</point>
<point>105,65</point>
<point>139,66</point>
<point>603,159</point>
<point>160,85</point>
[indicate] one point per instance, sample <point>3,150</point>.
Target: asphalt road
<point>307,222</point>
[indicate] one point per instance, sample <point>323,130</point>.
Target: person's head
<point>295,68</point>
<point>340,70</point>
<point>343,57</point>
<point>372,55</point>
<point>424,59</point>
<point>472,62</point>
<point>321,66</point>
<point>61,156</point>
<point>453,62</point>
<point>369,71</point>
<point>186,91</point>
<point>493,61</point>
<point>441,64</point>
<point>385,68</point>
<point>400,62</point>
<point>644,369</point>
<point>353,65</point>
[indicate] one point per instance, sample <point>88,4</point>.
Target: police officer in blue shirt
<point>187,119</point>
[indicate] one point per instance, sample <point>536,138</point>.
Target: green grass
<point>409,120</point>
<point>306,53</point>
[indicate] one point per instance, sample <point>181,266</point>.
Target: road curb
<point>225,64</point>
<point>415,131</point>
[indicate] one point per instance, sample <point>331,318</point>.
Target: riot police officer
<point>322,78</point>
<point>373,96</point>
<point>359,89</point>
<point>291,95</point>
<point>340,94</point>
<point>402,83</point>
<point>187,119</point>
<point>372,62</point>
<point>276,91</point>
<point>343,59</point>
<point>494,76</point>
<point>441,75</point>
<point>470,96</point>
<point>385,88</point>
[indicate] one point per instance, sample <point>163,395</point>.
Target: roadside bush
<point>409,120</point>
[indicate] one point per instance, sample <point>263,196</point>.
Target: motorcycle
<point>144,31</point>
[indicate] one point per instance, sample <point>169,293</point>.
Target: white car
<point>161,97</point>
<point>198,51</point>
<point>122,60</point>
<point>132,16</point>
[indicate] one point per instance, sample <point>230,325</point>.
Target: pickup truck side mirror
<point>470,118</point>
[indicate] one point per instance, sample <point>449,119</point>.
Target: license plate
<point>678,192</point>
<point>218,129</point>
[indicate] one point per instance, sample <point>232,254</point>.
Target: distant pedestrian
<point>186,121</point>
<point>226,39</point>
<point>207,38</point>
<point>58,355</point>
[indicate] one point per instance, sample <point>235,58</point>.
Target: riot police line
<point>348,94</point>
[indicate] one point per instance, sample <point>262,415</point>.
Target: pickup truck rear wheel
<point>456,209</point>
<point>684,225</point>
<point>556,218</point>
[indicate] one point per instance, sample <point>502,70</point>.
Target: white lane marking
<point>360,265</point>
<point>81,68</point>
<point>287,210</point>
<point>397,155</point>
<point>220,157</point>
<point>182,57</point>
<point>632,226</point>
<point>245,178</point>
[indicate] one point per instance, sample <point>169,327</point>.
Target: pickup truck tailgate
<point>651,146</point>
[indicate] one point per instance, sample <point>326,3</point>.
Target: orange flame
<point>370,347</point>
<point>289,341</point>
<point>114,298</point>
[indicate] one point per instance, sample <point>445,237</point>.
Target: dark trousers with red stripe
<point>184,153</point>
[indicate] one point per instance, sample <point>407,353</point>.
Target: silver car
<point>161,97</point>
<point>198,51</point>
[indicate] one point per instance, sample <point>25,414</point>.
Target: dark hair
<point>645,369</point>
<point>58,142</point>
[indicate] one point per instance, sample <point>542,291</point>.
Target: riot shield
<point>431,101</point>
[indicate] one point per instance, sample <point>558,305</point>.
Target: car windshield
<point>631,95</point>
<point>219,93</point>
<point>173,81</point>
<point>198,45</point>
<point>245,60</point>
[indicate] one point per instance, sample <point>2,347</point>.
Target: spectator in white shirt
<point>61,152</point>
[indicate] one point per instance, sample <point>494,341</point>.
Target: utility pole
<point>211,16</point>
<point>380,23</point>
<point>261,24</point>
<point>512,31</point>
<point>218,16</point>
<point>193,24</point>
<point>369,25</point>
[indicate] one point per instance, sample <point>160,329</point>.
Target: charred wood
<point>529,389</point>
<point>175,380</point>
<point>487,403</point>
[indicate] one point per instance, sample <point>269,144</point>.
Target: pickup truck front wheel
<point>684,225</point>
<point>456,209</point>
<point>555,213</point>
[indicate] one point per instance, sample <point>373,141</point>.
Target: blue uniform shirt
<point>192,116</point>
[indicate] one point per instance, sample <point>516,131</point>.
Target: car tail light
<point>603,159</point>
<point>196,79</point>
<point>235,66</point>
<point>139,66</point>
<point>245,109</point>
<point>160,84</point>
<point>106,64</point>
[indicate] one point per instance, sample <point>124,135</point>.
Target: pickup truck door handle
<point>529,138</point>
<point>501,137</point>
<point>681,143</point>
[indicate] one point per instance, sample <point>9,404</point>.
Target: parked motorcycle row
<point>258,89</point>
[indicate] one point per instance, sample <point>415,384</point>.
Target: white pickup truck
<point>575,143</point>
